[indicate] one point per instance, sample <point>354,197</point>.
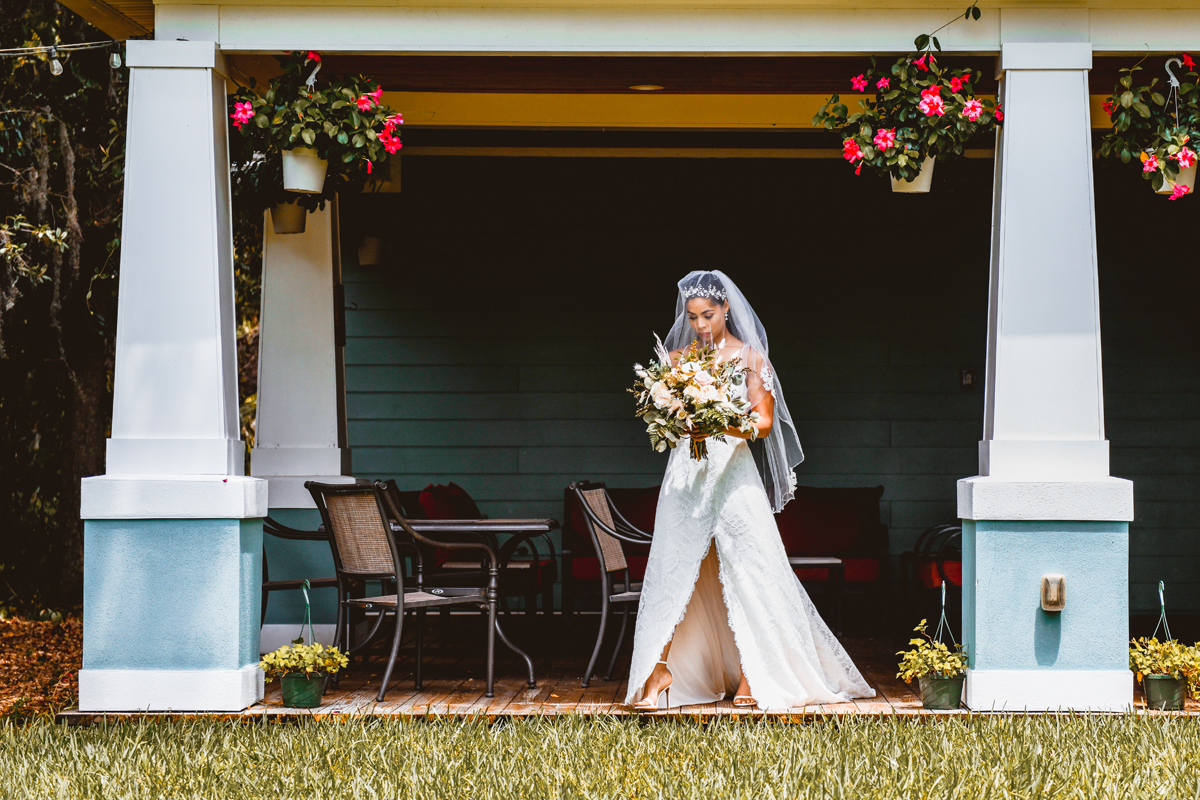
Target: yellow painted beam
<point>628,111</point>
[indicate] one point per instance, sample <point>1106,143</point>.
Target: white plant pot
<point>288,217</point>
<point>1186,177</point>
<point>370,251</point>
<point>303,171</point>
<point>921,182</point>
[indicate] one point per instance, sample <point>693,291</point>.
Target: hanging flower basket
<point>1164,692</point>
<point>939,670</point>
<point>302,691</point>
<point>912,113</point>
<point>918,184</point>
<point>304,170</point>
<point>1156,128</point>
<point>288,217</point>
<point>939,693</point>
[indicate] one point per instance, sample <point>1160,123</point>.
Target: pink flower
<point>885,138</point>
<point>1179,191</point>
<point>313,56</point>
<point>377,94</point>
<point>1188,62</point>
<point>920,62</point>
<point>859,83</point>
<point>391,122</point>
<point>851,151</point>
<point>883,84</point>
<point>966,78</point>
<point>1149,162</point>
<point>998,114</point>
<point>931,102</point>
<point>1186,157</point>
<point>972,109</point>
<point>1108,107</point>
<point>364,103</point>
<point>242,113</point>
<point>389,142</point>
<point>368,166</point>
<point>956,84</point>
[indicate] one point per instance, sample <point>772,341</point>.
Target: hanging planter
<point>302,691</point>
<point>912,113</point>
<point>1156,129</point>
<point>288,217</point>
<point>918,184</point>
<point>304,170</point>
<point>370,251</point>
<point>1168,670</point>
<point>940,693</point>
<point>1164,692</point>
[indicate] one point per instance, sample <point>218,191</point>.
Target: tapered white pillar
<point>173,531</point>
<point>1043,502</point>
<point>298,428</point>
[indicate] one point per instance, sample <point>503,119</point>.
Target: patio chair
<point>366,549</point>
<point>277,529</point>
<point>608,529</point>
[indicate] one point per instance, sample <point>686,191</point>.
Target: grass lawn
<point>569,757</point>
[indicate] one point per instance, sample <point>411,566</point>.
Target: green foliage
<point>311,659</point>
<point>288,114</point>
<point>1152,657</point>
<point>1145,123</point>
<point>1041,756</point>
<point>930,657</point>
<point>894,104</point>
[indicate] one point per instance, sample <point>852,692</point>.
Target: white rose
<point>703,378</point>
<point>660,394</point>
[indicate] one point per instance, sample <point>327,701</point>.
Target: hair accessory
<point>710,292</point>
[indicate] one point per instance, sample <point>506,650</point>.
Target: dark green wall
<point>494,347</point>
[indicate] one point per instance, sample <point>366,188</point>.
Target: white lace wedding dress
<point>714,532</point>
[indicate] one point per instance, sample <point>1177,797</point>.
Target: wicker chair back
<point>359,533</point>
<point>612,555</point>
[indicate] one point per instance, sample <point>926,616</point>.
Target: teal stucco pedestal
<point>172,604</point>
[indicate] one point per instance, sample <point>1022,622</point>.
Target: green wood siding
<point>494,348</point>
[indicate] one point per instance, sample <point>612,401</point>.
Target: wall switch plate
<point>968,379</point>
<point>1054,592</point>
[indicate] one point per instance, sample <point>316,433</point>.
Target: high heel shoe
<point>663,700</point>
<point>744,697</point>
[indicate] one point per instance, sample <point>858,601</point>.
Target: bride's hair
<point>708,286</point>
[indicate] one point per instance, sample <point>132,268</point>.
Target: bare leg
<point>660,678</point>
<point>744,698</point>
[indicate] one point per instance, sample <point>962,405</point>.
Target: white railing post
<point>173,531</point>
<point>1043,502</point>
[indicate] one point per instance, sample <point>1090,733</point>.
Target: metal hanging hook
<point>1171,79</point>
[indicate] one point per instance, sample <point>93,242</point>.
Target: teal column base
<point>171,614</point>
<point>1024,658</point>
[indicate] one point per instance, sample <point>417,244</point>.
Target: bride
<point>721,609</point>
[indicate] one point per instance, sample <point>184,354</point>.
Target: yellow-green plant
<point>1152,657</point>
<point>930,657</point>
<point>311,659</point>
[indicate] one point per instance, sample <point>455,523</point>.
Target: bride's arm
<point>766,419</point>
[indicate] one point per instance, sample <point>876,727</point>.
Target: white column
<point>173,531</point>
<point>175,404</point>
<point>297,429</point>
<point>1043,501</point>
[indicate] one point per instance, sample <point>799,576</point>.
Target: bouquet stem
<point>699,449</point>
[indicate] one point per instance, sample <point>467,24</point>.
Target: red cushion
<point>587,568</point>
<point>930,578</point>
<point>858,570</point>
<point>826,522</point>
<point>447,502</point>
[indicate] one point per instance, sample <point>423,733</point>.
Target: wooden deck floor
<point>454,685</point>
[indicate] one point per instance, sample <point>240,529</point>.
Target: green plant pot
<point>301,691</point>
<point>940,693</point>
<point>1164,693</point>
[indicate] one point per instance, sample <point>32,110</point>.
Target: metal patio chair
<point>272,527</point>
<point>366,549</point>
<point>608,529</point>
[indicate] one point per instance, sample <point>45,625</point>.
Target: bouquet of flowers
<point>693,399</point>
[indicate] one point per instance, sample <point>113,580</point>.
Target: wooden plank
<point>532,701</point>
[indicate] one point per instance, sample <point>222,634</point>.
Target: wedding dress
<point>718,586</point>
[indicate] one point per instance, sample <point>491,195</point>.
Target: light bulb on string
<point>115,60</point>
<point>55,65</point>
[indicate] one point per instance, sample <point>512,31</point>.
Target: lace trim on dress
<point>768,379</point>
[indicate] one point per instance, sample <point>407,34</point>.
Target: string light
<point>52,52</point>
